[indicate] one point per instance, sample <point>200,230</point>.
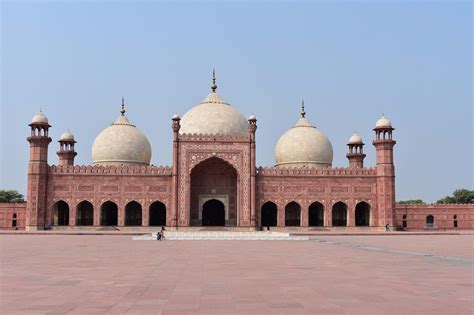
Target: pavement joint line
<point>467,261</point>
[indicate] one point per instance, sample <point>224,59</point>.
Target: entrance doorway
<point>157,214</point>
<point>133,214</point>
<point>109,214</point>
<point>213,213</point>
<point>362,214</point>
<point>61,213</point>
<point>339,214</point>
<point>316,214</point>
<point>269,214</point>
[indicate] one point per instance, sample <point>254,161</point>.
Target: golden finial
<point>303,113</point>
<point>122,111</point>
<point>213,85</point>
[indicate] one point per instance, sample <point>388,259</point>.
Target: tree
<point>10,196</point>
<point>411,202</point>
<point>459,196</point>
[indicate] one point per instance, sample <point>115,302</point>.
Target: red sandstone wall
<point>281,186</point>
<point>6,215</point>
<point>73,184</point>
<point>443,216</point>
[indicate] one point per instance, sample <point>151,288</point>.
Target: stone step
<point>224,235</point>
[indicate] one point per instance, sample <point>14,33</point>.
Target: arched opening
<point>316,214</point>
<point>133,214</point>
<point>455,222</point>
<point>216,179</point>
<point>85,213</point>
<point>362,214</point>
<point>292,214</point>
<point>14,220</point>
<point>157,214</point>
<point>429,221</point>
<point>269,214</point>
<point>109,214</point>
<point>213,213</point>
<point>61,213</point>
<point>404,221</point>
<point>339,214</point>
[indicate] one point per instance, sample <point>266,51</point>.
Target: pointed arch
<point>157,215</point>
<point>362,214</point>
<point>109,214</point>
<point>293,214</point>
<point>269,214</point>
<point>316,214</point>
<point>61,213</point>
<point>339,214</point>
<point>84,213</point>
<point>133,214</point>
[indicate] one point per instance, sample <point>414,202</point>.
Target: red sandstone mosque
<point>214,179</point>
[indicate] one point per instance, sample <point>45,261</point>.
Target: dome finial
<point>303,113</point>
<point>122,111</point>
<point>213,85</point>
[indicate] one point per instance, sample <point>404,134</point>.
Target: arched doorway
<point>429,221</point>
<point>269,214</point>
<point>61,213</point>
<point>339,214</point>
<point>133,214</point>
<point>292,214</point>
<point>216,179</point>
<point>109,214</point>
<point>157,214</point>
<point>85,213</point>
<point>362,214</point>
<point>316,214</point>
<point>213,213</point>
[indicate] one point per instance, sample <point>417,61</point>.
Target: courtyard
<point>85,274</point>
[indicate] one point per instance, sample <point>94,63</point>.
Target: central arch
<point>109,214</point>
<point>85,213</point>
<point>293,214</point>
<point>339,214</point>
<point>133,214</point>
<point>214,179</point>
<point>362,214</point>
<point>61,213</point>
<point>213,213</point>
<point>316,214</point>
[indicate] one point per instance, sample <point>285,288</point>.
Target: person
<point>158,236</point>
<point>162,233</point>
<point>387,227</point>
<point>268,228</point>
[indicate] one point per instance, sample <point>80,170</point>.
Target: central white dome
<point>213,116</point>
<point>303,146</point>
<point>121,144</point>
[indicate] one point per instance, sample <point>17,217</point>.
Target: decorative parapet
<point>435,206</point>
<point>100,169</point>
<point>210,137</point>
<point>305,171</point>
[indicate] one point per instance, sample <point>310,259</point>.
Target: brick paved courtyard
<point>54,274</point>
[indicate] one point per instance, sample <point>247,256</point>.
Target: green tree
<point>411,202</point>
<point>10,196</point>
<point>459,196</point>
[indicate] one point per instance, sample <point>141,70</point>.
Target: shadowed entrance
<point>213,179</point>
<point>109,214</point>
<point>61,213</point>
<point>269,214</point>
<point>213,213</point>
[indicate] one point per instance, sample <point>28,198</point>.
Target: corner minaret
<point>66,151</point>
<point>176,125</point>
<point>385,171</point>
<point>37,172</point>
<point>253,171</point>
<point>356,151</point>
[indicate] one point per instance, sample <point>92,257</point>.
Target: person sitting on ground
<point>158,236</point>
<point>387,227</point>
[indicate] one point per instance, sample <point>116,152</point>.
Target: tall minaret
<point>385,170</point>
<point>253,171</point>
<point>66,151</point>
<point>37,172</point>
<point>356,151</point>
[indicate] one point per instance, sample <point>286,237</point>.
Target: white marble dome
<point>303,146</point>
<point>39,118</point>
<point>121,144</point>
<point>383,122</point>
<point>66,136</point>
<point>355,139</point>
<point>213,116</point>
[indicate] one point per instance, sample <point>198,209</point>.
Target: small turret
<point>356,151</point>
<point>66,151</point>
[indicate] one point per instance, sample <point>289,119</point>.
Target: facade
<point>213,179</point>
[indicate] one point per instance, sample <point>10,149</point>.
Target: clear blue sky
<point>350,61</point>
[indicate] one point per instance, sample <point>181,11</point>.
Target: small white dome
<point>383,123</point>
<point>355,139</point>
<point>252,118</point>
<point>213,116</point>
<point>121,144</point>
<point>67,136</point>
<point>303,146</point>
<point>175,117</point>
<point>39,118</point>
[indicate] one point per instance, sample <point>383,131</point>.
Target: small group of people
<point>160,236</point>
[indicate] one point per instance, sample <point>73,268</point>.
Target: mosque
<point>214,180</point>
